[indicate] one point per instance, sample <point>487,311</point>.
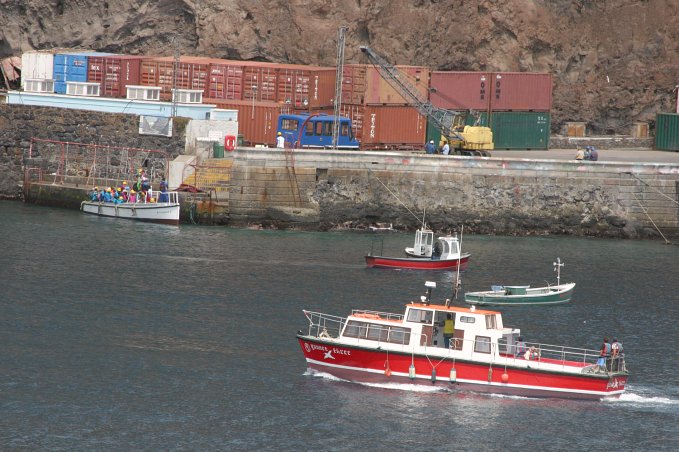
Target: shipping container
<point>37,64</point>
<point>521,91</point>
<point>259,83</point>
<point>520,130</point>
<point>192,73</point>
<point>71,67</point>
<point>257,121</point>
<point>114,73</point>
<point>364,85</point>
<point>386,126</point>
<point>225,81</point>
<point>460,90</point>
<point>667,132</point>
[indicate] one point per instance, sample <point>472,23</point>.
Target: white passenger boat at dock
<point>480,354</point>
<point>154,212</point>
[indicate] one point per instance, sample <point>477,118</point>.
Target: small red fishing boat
<point>444,253</point>
<point>454,347</point>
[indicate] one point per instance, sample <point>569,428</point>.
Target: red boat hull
<point>417,263</point>
<point>377,366</point>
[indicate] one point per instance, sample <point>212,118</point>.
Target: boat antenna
<point>557,268</point>
<point>458,282</point>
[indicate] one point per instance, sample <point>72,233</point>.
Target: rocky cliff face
<point>614,61</point>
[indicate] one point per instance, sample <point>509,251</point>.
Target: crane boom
<point>444,120</point>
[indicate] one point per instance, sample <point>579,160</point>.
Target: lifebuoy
<point>229,143</point>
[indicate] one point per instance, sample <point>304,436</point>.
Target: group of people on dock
<point>588,153</point>
<point>140,191</point>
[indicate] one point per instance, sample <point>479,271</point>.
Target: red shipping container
<point>225,81</point>
<point>366,86</point>
<point>192,73</point>
<point>386,126</point>
<point>521,91</point>
<point>114,73</point>
<point>257,121</point>
<point>460,90</point>
<point>322,87</point>
<point>259,83</point>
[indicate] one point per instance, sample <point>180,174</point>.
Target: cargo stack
<point>515,105</point>
<point>381,117</point>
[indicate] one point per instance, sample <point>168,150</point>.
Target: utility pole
<point>338,85</point>
<point>175,69</point>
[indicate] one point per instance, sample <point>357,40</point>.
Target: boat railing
<point>324,325</point>
<point>377,314</point>
<point>551,353</point>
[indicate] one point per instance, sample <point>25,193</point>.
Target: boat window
<point>491,322</point>
<point>482,344</point>
<point>377,333</point>
<point>420,316</point>
<point>465,319</point>
<point>355,329</point>
<point>398,335</point>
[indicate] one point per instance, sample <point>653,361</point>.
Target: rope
<point>667,242</point>
<point>394,195</point>
<point>653,188</point>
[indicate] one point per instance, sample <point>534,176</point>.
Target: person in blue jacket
<point>429,147</point>
<point>94,196</point>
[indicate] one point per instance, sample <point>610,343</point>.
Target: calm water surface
<point>117,335</point>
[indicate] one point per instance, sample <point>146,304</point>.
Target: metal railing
<point>379,314</point>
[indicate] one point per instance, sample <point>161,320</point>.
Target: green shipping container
<point>667,132</point>
<point>520,129</point>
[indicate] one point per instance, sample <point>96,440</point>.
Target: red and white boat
<point>483,354</point>
<point>444,253</point>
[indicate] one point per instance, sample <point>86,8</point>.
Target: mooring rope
<point>393,194</point>
<point>653,188</point>
<point>667,242</point>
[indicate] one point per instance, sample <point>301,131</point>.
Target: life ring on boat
<point>365,315</point>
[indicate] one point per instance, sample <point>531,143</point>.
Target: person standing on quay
<point>280,141</point>
<point>446,149</point>
<point>429,147</point>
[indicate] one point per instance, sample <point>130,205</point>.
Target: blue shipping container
<point>71,67</point>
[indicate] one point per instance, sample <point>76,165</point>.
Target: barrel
<point>218,151</point>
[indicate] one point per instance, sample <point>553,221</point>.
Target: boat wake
<point>397,386</point>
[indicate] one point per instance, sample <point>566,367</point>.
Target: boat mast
<point>458,283</point>
<point>557,268</point>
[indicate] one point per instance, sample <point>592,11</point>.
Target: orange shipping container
<point>257,121</point>
<point>386,126</point>
<point>521,91</point>
<point>225,81</point>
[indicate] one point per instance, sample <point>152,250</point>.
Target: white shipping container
<point>37,64</point>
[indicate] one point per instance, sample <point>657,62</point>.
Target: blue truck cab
<point>304,130</point>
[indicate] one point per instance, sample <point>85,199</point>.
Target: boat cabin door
<point>424,240</point>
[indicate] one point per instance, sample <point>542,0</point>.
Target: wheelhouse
<point>315,131</point>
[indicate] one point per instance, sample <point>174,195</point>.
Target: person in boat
<point>616,354</point>
<point>520,347</point>
<point>163,197</point>
<point>108,196</point>
<point>94,195</point>
<point>531,353</point>
<point>604,353</point>
<point>448,329</point>
<point>132,197</point>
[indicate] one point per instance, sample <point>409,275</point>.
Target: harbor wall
<point>343,189</point>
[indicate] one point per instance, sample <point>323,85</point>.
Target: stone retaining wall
<point>489,196</point>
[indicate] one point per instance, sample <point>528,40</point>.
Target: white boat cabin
<point>422,326</point>
<point>445,247</point>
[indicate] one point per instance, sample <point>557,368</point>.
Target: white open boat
<point>154,212</point>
